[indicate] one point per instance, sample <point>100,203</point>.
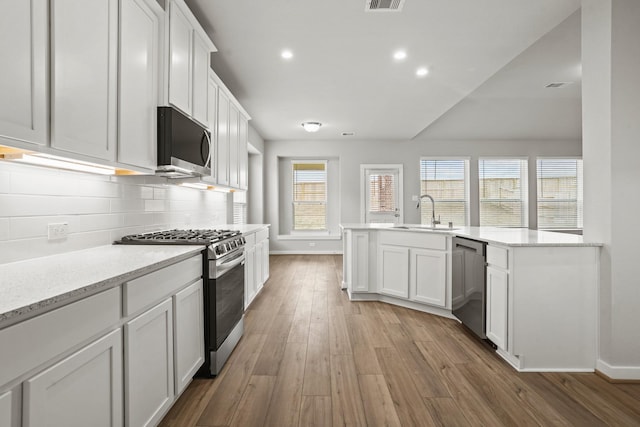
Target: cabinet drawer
<point>414,240</point>
<point>148,290</point>
<point>29,344</point>
<point>262,234</point>
<point>497,256</point>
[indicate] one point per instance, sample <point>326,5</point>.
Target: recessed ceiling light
<point>311,126</point>
<point>399,55</point>
<point>348,133</point>
<point>286,54</point>
<point>422,71</point>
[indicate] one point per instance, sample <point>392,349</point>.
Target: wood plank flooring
<point>310,357</point>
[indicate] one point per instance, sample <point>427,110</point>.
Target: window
<point>309,195</point>
<point>503,192</point>
<point>382,192</point>
<point>239,207</point>
<point>559,193</point>
<point>446,181</point>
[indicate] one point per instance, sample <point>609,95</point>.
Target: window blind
<point>560,189</point>
<point>446,182</point>
<point>382,197</point>
<point>239,207</point>
<point>503,192</point>
<point>309,195</point>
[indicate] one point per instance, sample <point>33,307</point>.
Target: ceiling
<point>343,74</point>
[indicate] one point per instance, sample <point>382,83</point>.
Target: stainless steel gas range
<point>223,278</point>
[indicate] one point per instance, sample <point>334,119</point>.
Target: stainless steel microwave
<point>184,146</point>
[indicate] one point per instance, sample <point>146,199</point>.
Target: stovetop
<point>179,237</point>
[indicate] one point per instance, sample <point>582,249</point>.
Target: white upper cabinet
<point>140,27</point>
<point>84,47</point>
<point>23,86</point>
<point>200,79</point>
<point>234,142</point>
<point>243,153</point>
<point>180,48</point>
<point>189,58</point>
<point>223,139</point>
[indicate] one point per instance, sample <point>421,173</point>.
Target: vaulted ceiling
<point>343,73</point>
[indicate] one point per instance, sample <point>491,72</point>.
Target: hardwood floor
<point>310,357</point>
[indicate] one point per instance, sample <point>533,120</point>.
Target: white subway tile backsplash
<point>98,209</point>
<point>4,228</point>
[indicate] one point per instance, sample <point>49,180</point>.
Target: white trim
<point>363,202</point>
<point>309,237</point>
<point>305,252</point>
<point>425,308</point>
<point>618,372</point>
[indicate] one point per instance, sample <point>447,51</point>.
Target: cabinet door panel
<point>138,94</point>
<point>10,405</point>
<point>82,390</point>
<point>243,153</point>
<point>393,270</point>
<point>149,365</point>
<point>265,261</point>
<point>223,139</point>
<point>234,149</point>
<point>189,334</point>
<point>428,276</point>
<point>497,306</point>
<point>180,54</point>
<point>84,59</point>
<point>200,80</point>
<point>23,86</point>
<point>360,260</point>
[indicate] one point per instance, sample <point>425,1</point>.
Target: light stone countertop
<point>32,287</point>
<point>496,235</point>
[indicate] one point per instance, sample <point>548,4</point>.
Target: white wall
<point>353,153</point>
<point>98,209</point>
<point>611,131</point>
<point>255,194</point>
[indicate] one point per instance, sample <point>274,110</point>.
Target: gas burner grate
<point>191,236</point>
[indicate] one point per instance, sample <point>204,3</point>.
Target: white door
<point>381,194</point>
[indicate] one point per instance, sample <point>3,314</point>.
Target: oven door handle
<point>229,264</point>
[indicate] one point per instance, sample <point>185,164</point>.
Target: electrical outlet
<point>414,198</point>
<point>57,231</point>
<point>312,244</point>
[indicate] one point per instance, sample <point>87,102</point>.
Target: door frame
<point>364,187</point>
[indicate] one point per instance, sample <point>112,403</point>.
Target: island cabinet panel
<point>23,87</point>
<point>85,389</point>
<point>84,49</point>
<point>428,276</point>
<point>497,306</point>
<point>393,271</point>
<point>149,369</point>
<point>360,263</point>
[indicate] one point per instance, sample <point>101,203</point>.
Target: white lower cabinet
<point>10,414</point>
<point>249,275</point>
<point>149,370</point>
<point>393,270</point>
<point>497,306</point>
<point>85,389</point>
<point>265,261</point>
<point>428,276</point>
<point>189,334</point>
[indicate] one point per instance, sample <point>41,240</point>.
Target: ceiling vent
<point>557,84</point>
<point>384,5</point>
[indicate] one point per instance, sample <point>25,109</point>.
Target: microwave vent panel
<point>384,5</point>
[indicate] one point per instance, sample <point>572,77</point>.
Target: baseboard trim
<point>271,252</point>
<point>618,374</point>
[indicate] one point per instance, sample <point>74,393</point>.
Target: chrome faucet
<point>434,221</point>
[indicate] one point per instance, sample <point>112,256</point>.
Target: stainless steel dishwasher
<point>469,283</point>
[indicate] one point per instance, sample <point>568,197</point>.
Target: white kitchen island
<point>541,286</point>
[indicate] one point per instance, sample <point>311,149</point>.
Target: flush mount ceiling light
<point>399,55</point>
<point>422,72</point>
<point>286,54</point>
<point>311,126</point>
